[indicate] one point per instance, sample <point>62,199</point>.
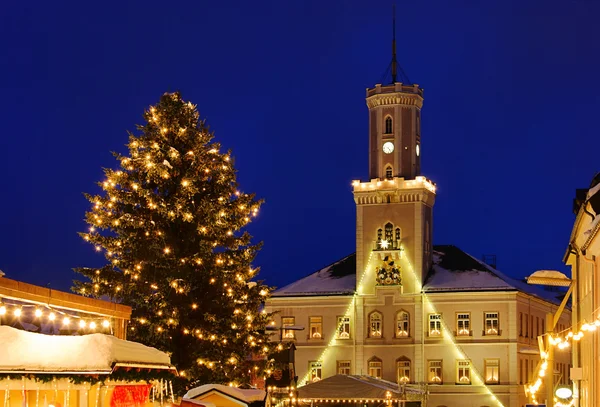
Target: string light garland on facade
<point>45,312</point>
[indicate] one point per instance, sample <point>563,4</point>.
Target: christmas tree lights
<point>170,224</point>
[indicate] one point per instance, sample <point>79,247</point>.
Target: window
<point>343,367</point>
<point>435,371</point>
<point>403,370</point>
<point>463,372</point>
<point>537,326</point>
<point>316,327</point>
<point>388,125</point>
<point>526,331</point>
<point>343,327</point>
<point>463,324</point>
<point>492,373</point>
<point>288,321</point>
<point>389,232</point>
<point>375,325</point>
<point>316,371</point>
<point>402,325</point>
<point>398,235</point>
<point>544,327</point>
<point>491,323</point>
<point>379,235</point>
<point>520,324</point>
<point>531,329</point>
<point>389,174</point>
<point>375,368</point>
<point>435,324</point>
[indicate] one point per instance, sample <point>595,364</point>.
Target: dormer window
<point>388,125</point>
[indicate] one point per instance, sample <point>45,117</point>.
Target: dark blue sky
<point>509,129</point>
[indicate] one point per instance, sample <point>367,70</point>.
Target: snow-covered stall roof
<point>353,387</point>
<point>245,395</point>
<point>455,270</point>
<point>336,279</point>
<point>29,352</point>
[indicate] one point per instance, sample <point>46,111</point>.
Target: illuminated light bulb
<point>159,329</point>
<point>98,248</point>
<point>167,250</point>
<point>92,325</point>
<point>185,183</point>
<point>66,321</point>
<point>17,312</point>
<point>2,310</point>
<point>82,324</point>
<point>51,316</point>
<point>585,327</point>
<point>38,312</point>
<point>105,323</point>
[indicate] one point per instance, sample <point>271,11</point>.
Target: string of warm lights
<point>53,315</point>
<point>561,341</point>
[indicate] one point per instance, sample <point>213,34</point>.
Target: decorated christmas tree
<point>170,223</point>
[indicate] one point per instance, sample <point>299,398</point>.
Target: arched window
<point>403,370</point>
<point>388,125</point>
<point>379,235</point>
<point>398,235</point>
<point>402,324</point>
<point>389,234</point>
<point>375,367</point>
<point>389,173</point>
<point>375,325</point>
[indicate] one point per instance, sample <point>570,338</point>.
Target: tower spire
<point>394,60</point>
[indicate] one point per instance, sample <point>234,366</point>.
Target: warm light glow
<point>51,316</point>
<point>66,321</point>
<point>17,312</point>
<point>92,325</point>
<point>82,324</point>
<point>38,312</point>
<point>2,310</point>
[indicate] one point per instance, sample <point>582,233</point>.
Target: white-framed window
<point>316,327</point>
<point>434,375</point>
<point>343,367</point>
<point>285,322</point>
<point>388,125</point>
<point>463,324</point>
<point>492,323</point>
<point>343,324</point>
<point>402,324</point>
<point>316,371</point>
<point>375,368</point>
<point>403,370</point>
<point>463,371</point>
<point>492,371</point>
<point>375,325</point>
<point>435,324</point>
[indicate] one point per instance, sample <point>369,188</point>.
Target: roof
<point>452,270</point>
<point>352,387</point>
<point>29,352</point>
<point>245,395</point>
<point>338,278</point>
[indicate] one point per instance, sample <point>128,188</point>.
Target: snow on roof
<point>455,270</point>
<point>335,279</point>
<point>23,351</point>
<point>246,395</point>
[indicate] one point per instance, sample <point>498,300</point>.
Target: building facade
<point>403,310</point>
<point>583,255</point>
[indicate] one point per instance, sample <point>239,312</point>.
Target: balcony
<point>383,245</point>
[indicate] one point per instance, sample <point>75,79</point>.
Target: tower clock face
<point>388,147</point>
<point>418,150</point>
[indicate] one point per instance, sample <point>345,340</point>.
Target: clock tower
<point>394,210</point>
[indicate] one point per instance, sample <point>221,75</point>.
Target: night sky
<point>509,128</point>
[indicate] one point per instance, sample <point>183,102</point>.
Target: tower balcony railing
<point>383,244</point>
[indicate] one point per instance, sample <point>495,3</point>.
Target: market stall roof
<point>353,387</point>
<point>245,395</point>
<point>29,352</point>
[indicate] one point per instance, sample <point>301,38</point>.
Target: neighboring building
<point>403,310</point>
<point>583,255</point>
<point>41,309</point>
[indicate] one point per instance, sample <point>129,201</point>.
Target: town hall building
<point>406,311</point>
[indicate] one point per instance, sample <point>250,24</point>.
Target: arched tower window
<point>388,125</point>
<point>375,325</point>
<point>389,232</point>
<point>398,235</point>
<point>389,173</point>
<point>379,235</point>
<point>402,324</point>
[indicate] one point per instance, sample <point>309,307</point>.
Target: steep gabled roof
<point>453,270</point>
<point>338,278</point>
